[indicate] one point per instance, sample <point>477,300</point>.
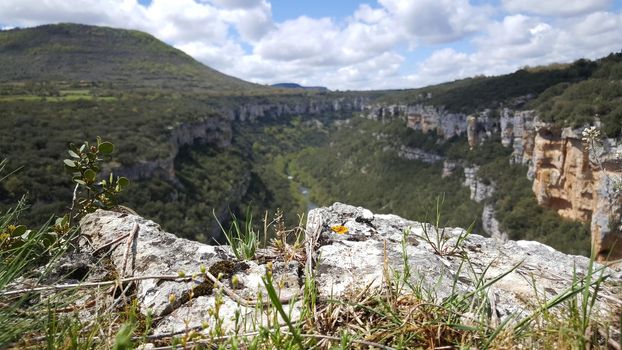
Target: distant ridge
<point>298,86</point>
<point>76,52</point>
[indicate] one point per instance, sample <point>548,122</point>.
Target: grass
<point>242,238</point>
<point>62,98</point>
<point>398,315</point>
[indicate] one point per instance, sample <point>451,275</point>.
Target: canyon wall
<point>445,124</point>
<point>578,184</point>
<point>216,129</point>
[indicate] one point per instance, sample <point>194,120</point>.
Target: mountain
<point>298,86</point>
<point>75,52</point>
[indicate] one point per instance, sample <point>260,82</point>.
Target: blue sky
<point>348,44</point>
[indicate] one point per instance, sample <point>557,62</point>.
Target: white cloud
<point>436,21</point>
<point>27,13</point>
<point>184,21</point>
<point>519,40</point>
<point>239,4</point>
<point>370,15</point>
<point>221,57</point>
<point>301,38</point>
<point>556,7</point>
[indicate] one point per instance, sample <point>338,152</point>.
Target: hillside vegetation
<point>106,58</point>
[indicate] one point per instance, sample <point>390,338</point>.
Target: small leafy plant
<point>85,164</point>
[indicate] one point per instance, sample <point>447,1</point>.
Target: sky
<point>353,45</point>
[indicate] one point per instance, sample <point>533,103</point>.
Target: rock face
<point>448,168</point>
<point>491,225</point>
<point>375,243</point>
<point>479,190</point>
<point>411,153</point>
<point>374,247</point>
<point>578,184</point>
<point>214,130</point>
<point>301,106</point>
<point>517,131</point>
<point>156,253</point>
<point>420,117</point>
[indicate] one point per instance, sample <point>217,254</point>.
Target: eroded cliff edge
<point>578,184</point>
<point>216,128</point>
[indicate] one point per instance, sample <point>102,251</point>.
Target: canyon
<point>578,184</point>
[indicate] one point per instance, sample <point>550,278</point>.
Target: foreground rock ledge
<point>344,264</point>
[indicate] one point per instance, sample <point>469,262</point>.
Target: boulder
<point>157,253</point>
<point>360,258</point>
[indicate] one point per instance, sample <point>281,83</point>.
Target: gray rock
<point>359,258</point>
<point>375,246</point>
<point>411,153</point>
<point>448,168</point>
<point>155,252</point>
<point>479,190</point>
<point>491,224</point>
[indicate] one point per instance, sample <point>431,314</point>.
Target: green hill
<point>100,55</point>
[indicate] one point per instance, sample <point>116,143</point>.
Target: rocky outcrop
<point>214,130</point>
<point>428,118</point>
<point>424,118</point>
<point>518,131</point>
<point>472,138</point>
<point>296,106</point>
<point>377,243</point>
<point>179,304</point>
<point>172,284</point>
<point>411,153</point>
<point>479,190</point>
<point>578,184</point>
<point>449,167</point>
<point>564,176</point>
<point>384,113</point>
<point>491,225</point>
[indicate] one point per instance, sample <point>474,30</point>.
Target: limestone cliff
<point>411,153</point>
<point>216,129</point>
<point>445,124</point>
<point>565,177</point>
<point>420,117</point>
<point>479,190</point>
<point>578,184</point>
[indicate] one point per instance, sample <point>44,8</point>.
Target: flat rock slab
<point>373,249</point>
<point>155,252</point>
<point>374,244</point>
